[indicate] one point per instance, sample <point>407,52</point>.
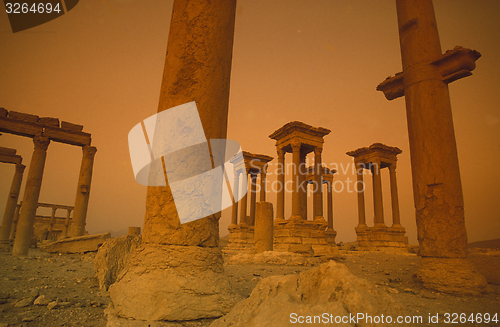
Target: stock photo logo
<point>173,142</point>
<point>25,14</point>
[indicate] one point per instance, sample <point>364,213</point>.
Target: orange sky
<point>316,61</point>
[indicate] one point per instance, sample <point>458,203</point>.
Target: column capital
<point>281,153</point>
<point>41,142</point>
<point>392,167</point>
<point>20,168</point>
<point>318,151</point>
<point>89,151</point>
<point>295,146</point>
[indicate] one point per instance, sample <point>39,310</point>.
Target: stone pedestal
<point>263,235</point>
<point>385,239</point>
<point>241,240</point>
<point>304,237</point>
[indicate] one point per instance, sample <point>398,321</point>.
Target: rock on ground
<point>329,288</point>
<point>112,257</point>
<point>275,258</point>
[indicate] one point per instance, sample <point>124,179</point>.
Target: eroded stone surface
<point>81,244</point>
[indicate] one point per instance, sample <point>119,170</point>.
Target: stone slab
<point>80,244</point>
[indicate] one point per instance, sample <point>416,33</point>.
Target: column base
<point>450,275</point>
<point>319,218</point>
<point>383,239</point>
<point>241,240</point>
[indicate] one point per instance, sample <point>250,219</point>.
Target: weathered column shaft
<point>263,185</point>
<point>303,185</point>
<point>318,185</point>
<point>66,223</point>
<point>52,219</point>
<point>83,192</point>
<point>243,206</point>
<point>330,205</point>
<point>264,227</point>
<point>253,197</point>
<point>296,180</point>
<point>14,223</point>
<point>234,212</point>
<point>197,68</point>
<point>280,207</point>
<point>10,206</point>
<point>378,202</point>
<point>360,189</point>
<point>24,230</point>
<point>437,186</point>
<point>394,197</point>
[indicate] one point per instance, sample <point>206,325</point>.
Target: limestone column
<point>197,68</point>
<point>14,223</point>
<point>24,230</point>
<point>236,187</point>
<point>52,218</point>
<point>318,186</point>
<point>253,197</point>
<point>330,205</point>
<point>10,206</point>
<point>263,235</point>
<point>303,185</point>
<point>360,189</point>
<point>263,185</point>
<point>243,207</point>
<point>378,203</point>
<point>396,222</point>
<point>66,223</point>
<point>280,207</point>
<point>295,192</point>
<point>437,186</point>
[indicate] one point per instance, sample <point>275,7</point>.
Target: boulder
<point>327,292</point>
<point>112,257</point>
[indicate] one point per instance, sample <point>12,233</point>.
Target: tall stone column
<point>318,186</point>
<point>52,218</point>
<point>14,223</point>
<point>24,231</point>
<point>263,185</point>
<point>280,207</point>
<point>244,202</point>
<point>303,185</point>
<point>330,205</point>
<point>66,222</point>
<point>83,192</point>
<point>378,202</point>
<point>10,206</point>
<point>396,222</point>
<point>234,212</point>
<point>360,189</point>
<point>253,197</point>
<point>296,214</point>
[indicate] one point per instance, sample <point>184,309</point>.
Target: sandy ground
<point>69,281</point>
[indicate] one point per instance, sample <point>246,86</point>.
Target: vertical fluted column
<point>318,186</point>
<point>330,205</point>
<point>360,189</point>
<point>396,222</point>
<point>378,203</point>
<point>24,230</point>
<point>236,188</point>
<point>296,180</point>
<point>10,206</point>
<point>244,201</point>
<point>303,185</point>
<point>280,207</point>
<point>83,192</point>
<point>263,184</point>
<point>253,197</point>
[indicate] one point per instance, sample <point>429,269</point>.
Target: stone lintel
<point>310,137</point>
<point>10,158</point>
<point>452,65</point>
<point>19,127</point>
<point>71,127</point>
<point>3,112</point>
<point>254,163</point>
<point>377,152</point>
<point>327,174</point>
<point>49,121</point>
<point>23,117</point>
<point>66,136</point>
<point>80,244</point>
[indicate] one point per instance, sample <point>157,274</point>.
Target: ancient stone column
<point>243,207</point>
<point>396,222</point>
<point>263,235</point>
<point>197,68</point>
<point>263,185</point>
<point>378,202</point>
<point>234,212</point>
<point>66,222</point>
<point>360,189</point>
<point>14,223</point>
<point>318,186</point>
<point>10,206</point>
<point>330,204</point>
<point>52,218</point>
<point>280,207</point>
<point>295,192</point>
<point>253,197</point>
<point>303,185</point>
<point>24,230</point>
<point>83,192</point>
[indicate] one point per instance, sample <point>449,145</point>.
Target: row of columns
<point>253,195</point>
<point>24,228</point>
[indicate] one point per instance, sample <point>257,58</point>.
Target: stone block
<point>301,249</point>
<point>80,244</point>
<point>22,116</point>
<point>281,232</point>
<point>71,127</point>
<point>289,240</point>
<point>300,232</point>
<point>263,235</point>
<point>3,112</point>
<point>49,121</point>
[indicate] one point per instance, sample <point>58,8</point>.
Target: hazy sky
<point>316,61</point>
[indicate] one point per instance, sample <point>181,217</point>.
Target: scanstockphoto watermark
<point>327,318</point>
